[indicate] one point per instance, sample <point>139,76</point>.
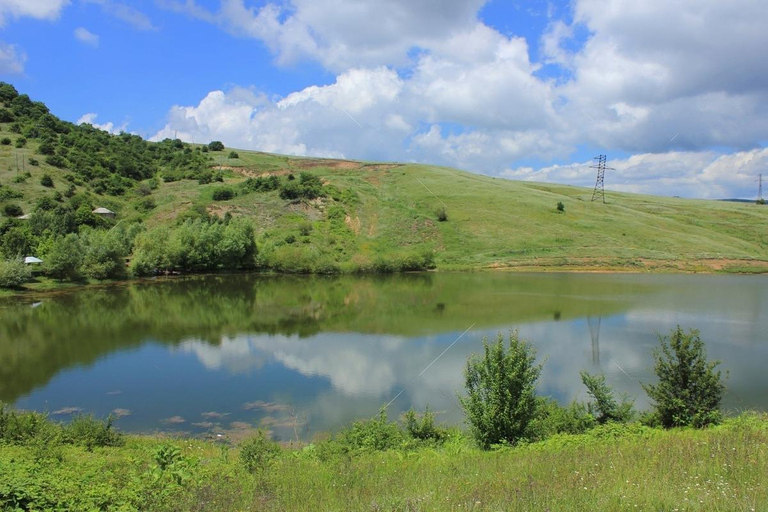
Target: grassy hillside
<point>349,216</point>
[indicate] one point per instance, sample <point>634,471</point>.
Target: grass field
<point>386,211</point>
<point>613,467</point>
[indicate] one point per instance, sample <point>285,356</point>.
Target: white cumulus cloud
<point>40,9</point>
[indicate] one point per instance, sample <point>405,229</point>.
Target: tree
<point>605,408</point>
<point>216,145</point>
<point>501,396</point>
<point>13,273</point>
<point>689,390</point>
<point>64,258</point>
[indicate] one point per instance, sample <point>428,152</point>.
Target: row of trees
<point>502,407</point>
<point>197,245</point>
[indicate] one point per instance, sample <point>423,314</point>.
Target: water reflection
<point>302,355</point>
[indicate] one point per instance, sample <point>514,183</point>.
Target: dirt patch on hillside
<point>259,173</point>
<point>220,210</point>
<point>331,164</point>
<point>353,224</point>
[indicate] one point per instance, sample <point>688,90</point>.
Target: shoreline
<point>707,266</point>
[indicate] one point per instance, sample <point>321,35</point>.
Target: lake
<point>219,355</point>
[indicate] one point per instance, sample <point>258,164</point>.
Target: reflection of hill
<point>79,328</point>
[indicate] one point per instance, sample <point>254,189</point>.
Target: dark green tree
<point>216,145</point>
<point>689,390</point>
<point>501,391</point>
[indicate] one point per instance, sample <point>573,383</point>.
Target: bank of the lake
<point>612,467</point>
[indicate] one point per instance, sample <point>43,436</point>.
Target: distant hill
<point>185,207</point>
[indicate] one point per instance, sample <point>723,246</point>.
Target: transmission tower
<point>760,189</point>
<point>599,184</point>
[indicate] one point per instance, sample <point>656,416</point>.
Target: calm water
<point>302,355</point>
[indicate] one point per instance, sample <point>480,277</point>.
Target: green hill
<point>184,207</point>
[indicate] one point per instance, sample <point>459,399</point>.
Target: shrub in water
<point>689,389</point>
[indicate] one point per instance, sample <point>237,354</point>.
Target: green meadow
<point>611,467</point>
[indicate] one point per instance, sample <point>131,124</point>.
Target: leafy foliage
<point>13,273</point>
<point>309,186</point>
<point>689,389</point>
<point>501,394</point>
<point>373,434</point>
<point>424,429</point>
<point>87,431</point>
<point>258,452</point>
<point>604,407</point>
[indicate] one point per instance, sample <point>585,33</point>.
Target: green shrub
<point>233,154</point>
<point>9,193</point>
<point>689,390</point>
<point>551,418</point>
<point>442,215</point>
<point>223,194</point>
<point>87,431</point>
<point>424,429</point>
<point>5,141</point>
<point>373,434</point>
<point>19,427</point>
<point>12,210</point>
<point>216,145</point>
<point>33,162</point>
<point>501,393</point>
<point>14,273</point>
<point>258,452</point>
<point>46,181</point>
<point>64,258</point>
<point>560,207</point>
<point>605,408</point>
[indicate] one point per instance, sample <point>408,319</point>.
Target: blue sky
<point>674,94</point>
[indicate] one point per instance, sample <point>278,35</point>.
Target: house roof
<point>102,210</point>
<point>32,259</point>
<point>26,216</point>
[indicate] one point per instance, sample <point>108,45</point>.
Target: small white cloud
<point>110,127</point>
<point>40,9</point>
<point>12,59</point>
<point>86,37</point>
<point>123,12</point>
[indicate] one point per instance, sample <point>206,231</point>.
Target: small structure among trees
<point>104,212</point>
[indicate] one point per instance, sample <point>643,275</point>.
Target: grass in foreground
<point>612,467</point>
